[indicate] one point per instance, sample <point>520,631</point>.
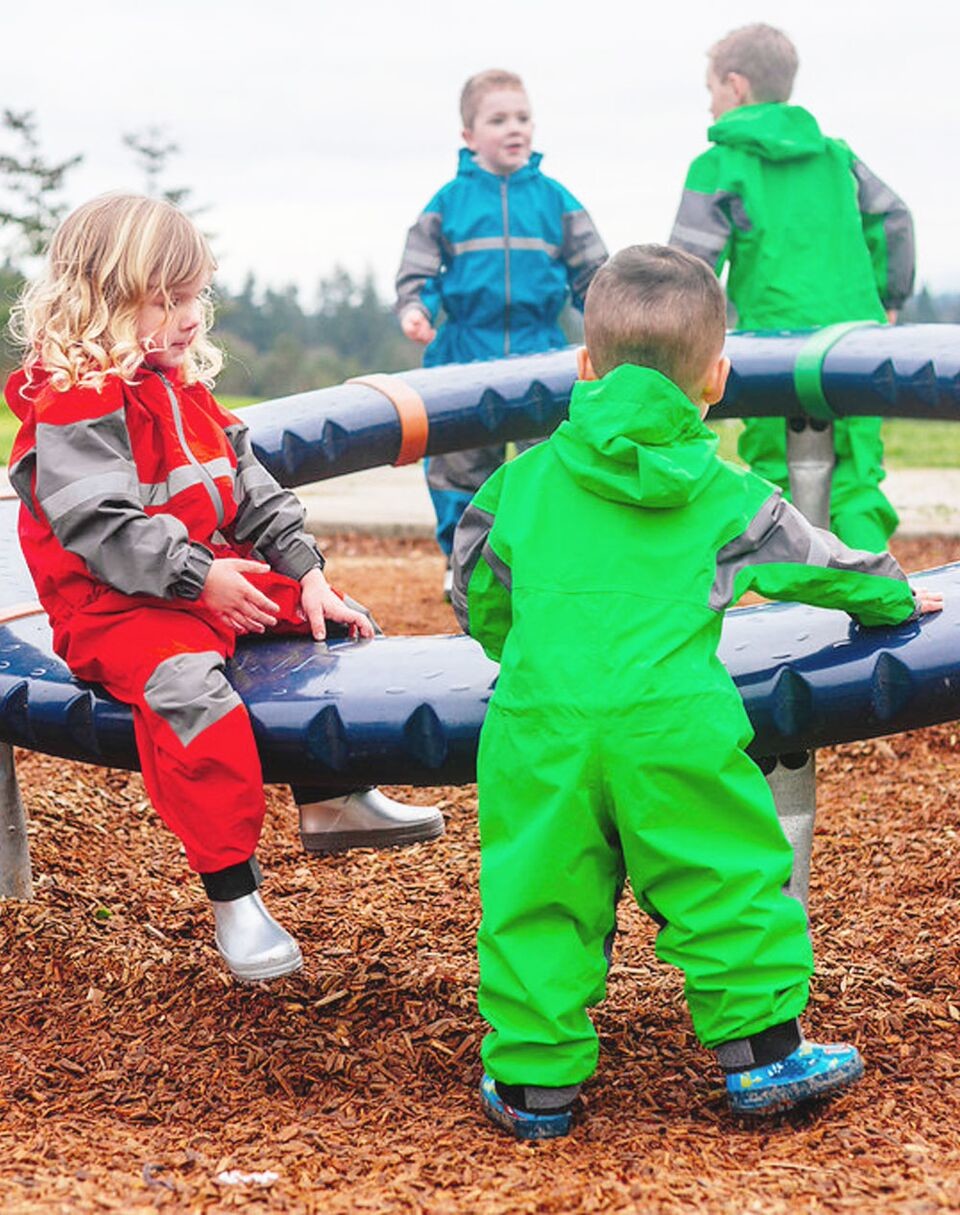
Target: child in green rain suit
<point>813,238</point>
<point>596,569</point>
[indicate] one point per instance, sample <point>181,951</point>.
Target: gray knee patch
<point>190,692</point>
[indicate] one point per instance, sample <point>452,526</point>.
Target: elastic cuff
<point>234,882</point>
<point>537,1099</point>
<point>193,576</point>
<point>297,559</point>
<point>769,1046</point>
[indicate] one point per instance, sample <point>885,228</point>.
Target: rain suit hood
<point>635,437</point>
<point>771,130</point>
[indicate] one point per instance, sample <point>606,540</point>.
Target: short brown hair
<point>655,307</point>
<point>765,55</point>
<point>477,88</point>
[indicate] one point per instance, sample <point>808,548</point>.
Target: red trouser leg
<point>197,751</point>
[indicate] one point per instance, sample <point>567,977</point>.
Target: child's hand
<point>417,327</point>
<point>928,601</point>
<point>236,600</point>
<point>320,603</point>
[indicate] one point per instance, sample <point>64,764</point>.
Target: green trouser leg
<point>860,513</point>
<point>550,873</point>
<point>705,853</point>
<point>707,856</point>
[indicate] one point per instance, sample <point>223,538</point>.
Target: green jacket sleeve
<point>888,231</point>
<point>706,217</point>
<point>481,571</point>
<point>782,556</point>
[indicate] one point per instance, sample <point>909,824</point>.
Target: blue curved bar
<point>408,710</point>
<point>902,371</point>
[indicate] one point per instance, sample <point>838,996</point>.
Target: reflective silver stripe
<point>704,223</point>
<point>482,243</point>
<point>100,485</point>
<point>191,693</point>
<point>157,493</point>
<point>468,543</point>
<point>779,534</point>
<point>209,483</point>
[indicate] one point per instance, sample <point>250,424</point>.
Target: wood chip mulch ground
<point>134,1075</point>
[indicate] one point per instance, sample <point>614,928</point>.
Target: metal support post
<point>810,461</point>
<point>811,457</point>
<point>793,784</point>
<point>16,881</point>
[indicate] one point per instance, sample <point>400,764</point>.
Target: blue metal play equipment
<point>408,710</point>
<point>842,371</point>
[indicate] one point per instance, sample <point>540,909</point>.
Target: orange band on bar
<point>414,423</point>
<point>17,611</point>
<point>7,491</point>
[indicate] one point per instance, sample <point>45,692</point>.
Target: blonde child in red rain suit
<point>154,535</point>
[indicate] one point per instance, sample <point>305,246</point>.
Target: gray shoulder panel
<point>422,258</point>
<point>704,223</point>
<point>779,534</point>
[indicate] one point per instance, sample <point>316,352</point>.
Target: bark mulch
<point>134,1075</point>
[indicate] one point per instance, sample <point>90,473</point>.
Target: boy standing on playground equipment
<point>498,250</point>
<point>155,538</point>
<point>596,569</point>
<point>813,239</point>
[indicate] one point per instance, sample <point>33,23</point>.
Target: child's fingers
<point>929,601</point>
<point>254,600</point>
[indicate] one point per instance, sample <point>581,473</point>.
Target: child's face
<point>167,333</point>
<point>502,132</point>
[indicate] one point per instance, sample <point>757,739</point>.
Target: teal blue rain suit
<point>812,238</point>
<point>494,258</point>
<point>596,569</point>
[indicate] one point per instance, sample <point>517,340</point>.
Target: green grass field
<point>909,444</point>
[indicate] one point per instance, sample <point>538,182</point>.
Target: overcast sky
<point>316,131</point>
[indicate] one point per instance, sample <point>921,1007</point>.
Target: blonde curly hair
<point>77,322</point>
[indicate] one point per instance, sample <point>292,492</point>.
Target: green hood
<point>773,130</point>
<point>634,437</point>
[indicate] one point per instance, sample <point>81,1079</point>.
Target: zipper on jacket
<point>505,208</point>
<point>209,484</point>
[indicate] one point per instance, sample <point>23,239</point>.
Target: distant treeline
<point>276,346</point>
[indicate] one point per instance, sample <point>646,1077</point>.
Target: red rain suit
<point>129,493</point>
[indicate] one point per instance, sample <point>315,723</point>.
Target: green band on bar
<point>808,369</point>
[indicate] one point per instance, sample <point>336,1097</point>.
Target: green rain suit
<point>596,568</point>
<point>813,238</point>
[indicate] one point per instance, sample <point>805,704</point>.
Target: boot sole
<point>385,837</point>
<point>260,974</point>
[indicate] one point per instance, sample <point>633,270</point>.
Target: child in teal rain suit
<point>812,237</point>
<point>596,568</point>
<point>492,259</point>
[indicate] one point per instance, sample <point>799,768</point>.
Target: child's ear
<point>584,366</point>
<point>467,135</point>
<point>715,384</point>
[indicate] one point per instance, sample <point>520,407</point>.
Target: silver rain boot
<point>251,942</point>
<point>365,819</point>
